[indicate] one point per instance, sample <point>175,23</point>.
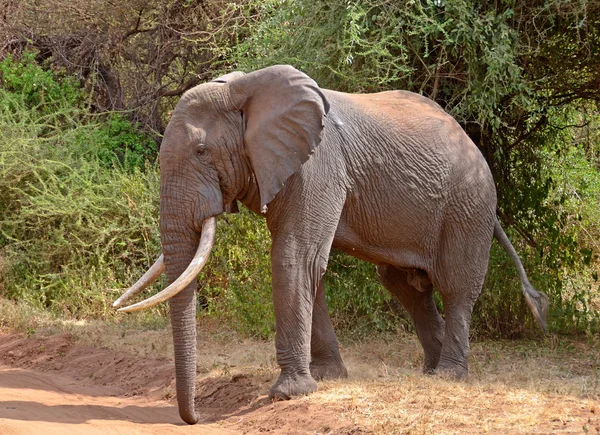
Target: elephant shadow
<point>223,397</point>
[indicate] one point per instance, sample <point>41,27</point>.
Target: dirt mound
<point>242,401</point>
<point>223,396</point>
<point>132,375</point>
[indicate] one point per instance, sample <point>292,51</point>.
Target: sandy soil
<point>50,385</point>
<point>42,403</point>
<point>57,385</point>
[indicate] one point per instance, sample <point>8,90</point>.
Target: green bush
<point>358,304</point>
<point>563,265</point>
<point>116,141</point>
<point>40,90</point>
<point>236,284</point>
<point>76,222</point>
<point>72,229</point>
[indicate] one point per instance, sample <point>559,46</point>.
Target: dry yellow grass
<point>521,387</point>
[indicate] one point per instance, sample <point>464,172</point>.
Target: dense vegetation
<point>85,93</point>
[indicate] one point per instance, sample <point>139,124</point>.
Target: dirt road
<point>53,385</point>
<point>40,403</point>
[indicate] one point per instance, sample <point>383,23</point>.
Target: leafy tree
<point>132,56</point>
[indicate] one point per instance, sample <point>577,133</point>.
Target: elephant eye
<point>201,149</point>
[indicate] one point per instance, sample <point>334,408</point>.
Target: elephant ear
<point>228,77</point>
<point>232,207</point>
<point>284,112</point>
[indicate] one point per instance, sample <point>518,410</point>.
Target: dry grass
<point>416,404</point>
<point>522,387</point>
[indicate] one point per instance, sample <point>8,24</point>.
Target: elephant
<point>387,177</point>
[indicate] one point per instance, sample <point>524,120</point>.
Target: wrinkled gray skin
<point>389,178</point>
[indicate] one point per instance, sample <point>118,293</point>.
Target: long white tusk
<point>148,278</point>
<point>207,241</point>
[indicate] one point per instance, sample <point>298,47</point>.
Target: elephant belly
<point>397,251</point>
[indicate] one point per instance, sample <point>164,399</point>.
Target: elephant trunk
<point>178,252</point>
<point>183,323</point>
<point>182,267</point>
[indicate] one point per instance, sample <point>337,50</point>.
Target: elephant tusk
<point>207,241</point>
<point>148,278</point>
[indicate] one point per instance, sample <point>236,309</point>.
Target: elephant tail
<point>537,301</point>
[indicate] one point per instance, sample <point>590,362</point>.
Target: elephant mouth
<point>207,240</point>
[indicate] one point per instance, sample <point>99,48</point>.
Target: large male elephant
<point>389,178</point>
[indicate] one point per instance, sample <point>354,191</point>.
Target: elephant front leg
<point>295,281</point>
<point>326,361</point>
<point>302,229</point>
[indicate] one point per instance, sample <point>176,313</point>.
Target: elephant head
<point>238,137</point>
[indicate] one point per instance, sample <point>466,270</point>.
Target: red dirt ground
<point>51,385</point>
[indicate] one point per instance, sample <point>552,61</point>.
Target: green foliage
<point>53,98</point>
<point>560,245</point>
<point>357,302</point>
<point>367,46</point>
<point>118,141</point>
<point>74,225</point>
<point>38,88</point>
<point>78,210</point>
<point>73,231</point>
<point>237,282</point>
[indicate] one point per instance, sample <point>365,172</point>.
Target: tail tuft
<point>538,304</point>
<point>537,301</point>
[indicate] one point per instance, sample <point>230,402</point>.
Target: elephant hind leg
<point>415,292</point>
<point>459,277</point>
<point>459,292</point>
<point>455,347</point>
<point>326,361</point>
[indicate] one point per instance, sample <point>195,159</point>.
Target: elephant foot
<point>292,384</point>
<point>322,370</point>
<point>429,370</point>
<point>452,372</point>
<point>430,364</point>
